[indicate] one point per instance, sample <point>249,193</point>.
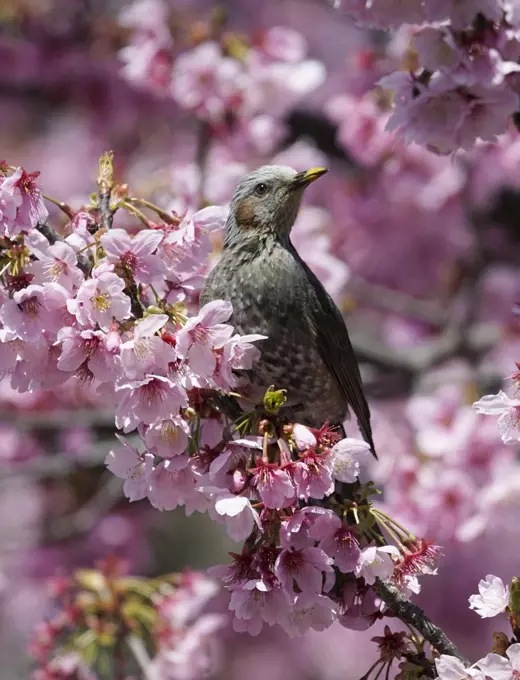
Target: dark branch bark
<point>414,616</point>
<point>105,211</point>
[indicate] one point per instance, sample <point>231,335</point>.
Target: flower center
<point>56,269</point>
<point>199,335</point>
<point>30,306</point>
<point>169,432</point>
<point>153,392</point>
<point>90,346</point>
<point>129,260</point>
<point>293,561</point>
<point>101,302</point>
<point>142,348</point>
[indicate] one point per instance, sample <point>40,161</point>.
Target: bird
<point>307,349</point>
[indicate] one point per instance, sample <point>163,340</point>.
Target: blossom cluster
<point>98,612</point>
<point>461,85</point>
<point>223,78</point>
<point>111,308</point>
<point>453,477</point>
<point>503,663</point>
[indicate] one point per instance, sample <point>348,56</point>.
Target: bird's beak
<point>302,179</point>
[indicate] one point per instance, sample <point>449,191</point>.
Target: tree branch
<point>83,520</point>
<point>414,616</point>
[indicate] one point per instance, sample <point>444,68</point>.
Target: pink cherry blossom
<point>312,476</point>
<point>202,333</point>
<point>508,411</point>
<point>7,212</point>
<point>135,468</point>
<point>145,401</point>
<point>284,44</point>
<point>497,667</point>
<point>56,263</point>
<point>87,352</point>
<point>450,668</point>
<point>170,487</point>
<point>256,602</point>
<point>444,116</point>
<point>310,611</point>
<point>135,255</point>
<point>26,195</point>
<point>236,457</point>
<point>376,563</point>
<point>34,309</point>
<point>347,456</point>
<point>305,566</point>
<point>360,608</point>
<point>169,439</point>
<point>147,352</point>
<point>196,653</point>
<point>237,513</point>
<point>238,354</point>
<point>461,13</point>
<point>298,531</point>
<point>273,485</point>
<point>303,437</point>
<point>100,300</point>
<point>338,542</point>
<point>205,81</point>
<point>9,348</point>
<point>493,597</point>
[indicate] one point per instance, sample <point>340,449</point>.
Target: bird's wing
<point>337,352</point>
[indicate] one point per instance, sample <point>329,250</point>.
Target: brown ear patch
<point>245,213</point>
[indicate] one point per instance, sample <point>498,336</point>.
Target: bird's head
<point>266,203</point>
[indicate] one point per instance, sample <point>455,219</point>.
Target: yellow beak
<point>302,179</point>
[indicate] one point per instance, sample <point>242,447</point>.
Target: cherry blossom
<point>305,566</point>
<point>492,599</point>
<point>135,255</point>
<point>100,300</point>
<point>201,333</point>
<point>507,409</point>
<point>125,462</point>
<point>144,401</point>
<point>499,668</point>
<point>147,352</point>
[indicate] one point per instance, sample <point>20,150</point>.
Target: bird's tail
<point>366,432</point>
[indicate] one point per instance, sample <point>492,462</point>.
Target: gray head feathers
<point>265,204</point>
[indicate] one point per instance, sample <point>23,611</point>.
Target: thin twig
<point>83,520</point>
<point>55,420</point>
<point>105,185</point>
<point>397,302</point>
<point>135,303</point>
<point>480,338</point>
<point>412,614</point>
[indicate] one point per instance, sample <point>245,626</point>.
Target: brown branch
<point>397,302</point>
<point>108,495</point>
<point>135,304</point>
<point>105,184</point>
<point>479,339</point>
<point>414,616</point>
<point>59,418</point>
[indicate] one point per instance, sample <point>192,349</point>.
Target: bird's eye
<point>261,189</point>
